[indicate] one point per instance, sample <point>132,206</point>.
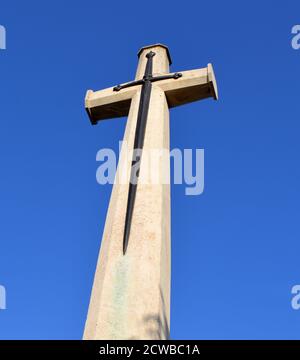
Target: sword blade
<point>136,161</point>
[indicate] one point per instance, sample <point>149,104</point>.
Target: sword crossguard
<point>177,75</point>
<point>117,88</point>
<point>145,78</point>
<point>132,83</point>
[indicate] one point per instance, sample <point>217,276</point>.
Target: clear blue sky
<point>235,249</point>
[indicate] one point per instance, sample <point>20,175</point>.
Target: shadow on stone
<point>159,323</point>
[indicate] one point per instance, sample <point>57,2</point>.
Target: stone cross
<point>131,291</point>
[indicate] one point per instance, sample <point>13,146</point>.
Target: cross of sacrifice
<point>131,291</point>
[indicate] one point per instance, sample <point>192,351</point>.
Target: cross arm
<point>192,85</point>
<point>108,103</point>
